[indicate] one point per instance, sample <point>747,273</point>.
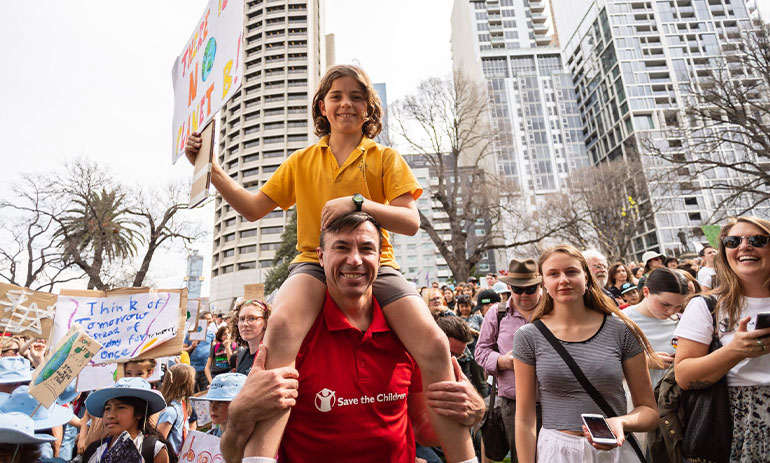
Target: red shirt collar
<point>336,320</point>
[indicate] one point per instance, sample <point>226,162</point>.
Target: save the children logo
<point>324,400</point>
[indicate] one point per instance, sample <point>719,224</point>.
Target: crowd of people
<point>353,363</point>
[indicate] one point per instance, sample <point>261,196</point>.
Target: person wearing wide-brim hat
<point>493,349</point>
<point>125,410</point>
<point>652,260</point>
<point>14,372</point>
<point>18,440</point>
<point>222,391</point>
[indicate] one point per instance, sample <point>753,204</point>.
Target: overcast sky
<point>94,79</point>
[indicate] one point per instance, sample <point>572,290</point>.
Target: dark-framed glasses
<point>757,241</point>
<point>529,289</point>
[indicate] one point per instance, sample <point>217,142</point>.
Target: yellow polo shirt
<point>310,177</point>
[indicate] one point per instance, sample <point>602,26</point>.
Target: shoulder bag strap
<point>493,391</point>
<point>590,389</point>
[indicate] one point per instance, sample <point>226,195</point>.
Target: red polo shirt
<point>353,391</point>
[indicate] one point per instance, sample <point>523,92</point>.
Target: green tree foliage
<point>286,252</point>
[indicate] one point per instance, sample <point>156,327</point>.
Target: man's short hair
<point>455,327</point>
<point>351,220</point>
<point>703,250</point>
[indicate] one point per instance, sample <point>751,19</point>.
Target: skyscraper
<point>382,92</point>
<point>631,62</point>
<point>194,275</point>
<point>261,125</point>
<point>511,46</point>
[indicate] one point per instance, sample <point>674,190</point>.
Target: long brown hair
<point>729,293</point>
<point>594,298</point>
<point>178,383</point>
<point>373,123</point>
<point>236,335</point>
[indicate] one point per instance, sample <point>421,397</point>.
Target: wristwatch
<point>358,200</point>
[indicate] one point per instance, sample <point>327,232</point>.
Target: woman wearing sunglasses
<point>743,273</point>
<point>247,324</point>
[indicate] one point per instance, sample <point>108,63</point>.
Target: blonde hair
<point>594,298</point>
<point>728,291</point>
<point>373,116</point>
<point>178,383</point>
<point>235,334</point>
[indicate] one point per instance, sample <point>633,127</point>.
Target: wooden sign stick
<point>202,171</point>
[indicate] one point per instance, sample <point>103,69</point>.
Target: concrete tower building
<point>194,276</point>
<point>511,46</point>
<point>630,61</point>
<point>261,125</point>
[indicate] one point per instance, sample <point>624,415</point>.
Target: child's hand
<point>193,146</point>
<point>335,208</point>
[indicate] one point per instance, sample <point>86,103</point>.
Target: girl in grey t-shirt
<point>604,343</point>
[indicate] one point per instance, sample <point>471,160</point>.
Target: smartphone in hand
<point>599,429</point>
<point>763,321</point>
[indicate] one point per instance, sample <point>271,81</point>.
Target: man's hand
<point>505,362</point>
<point>264,394</point>
<point>457,400</point>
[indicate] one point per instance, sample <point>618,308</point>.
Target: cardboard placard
<point>208,71</point>
<point>254,291</point>
<point>200,448</point>
<point>131,323</point>
<point>193,309</point>
<point>200,331</point>
<point>26,312</point>
<point>97,376</point>
<point>65,362</point>
<point>201,181</point>
<point>202,409</point>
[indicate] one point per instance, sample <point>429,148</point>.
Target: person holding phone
<point>742,266</point>
<point>605,344</point>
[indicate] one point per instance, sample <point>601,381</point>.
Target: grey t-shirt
<point>660,333</point>
<point>601,357</point>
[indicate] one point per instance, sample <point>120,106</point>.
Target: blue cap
<point>18,428</point>
<point>626,287</point>
<point>20,400</point>
<point>15,370</point>
<point>125,387</point>
<point>224,387</point>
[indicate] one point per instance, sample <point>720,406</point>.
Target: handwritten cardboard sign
<point>193,309</point>
<point>130,323</point>
<point>254,291</point>
<point>200,331</point>
<point>202,409</point>
<point>200,448</point>
<point>208,71</point>
<point>97,376</point>
<point>65,362</point>
<point>26,312</point>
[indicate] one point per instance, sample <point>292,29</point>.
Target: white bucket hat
<point>18,428</point>
<point>224,387</point>
<point>20,400</point>
<point>14,370</point>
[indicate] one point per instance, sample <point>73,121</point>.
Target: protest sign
<point>201,448</point>
<point>201,409</point>
<point>193,309</point>
<point>254,291</point>
<point>199,190</point>
<point>130,323</point>
<point>97,376</point>
<point>200,331</point>
<point>69,357</point>
<point>26,312</point>
<point>711,232</point>
<point>208,71</point>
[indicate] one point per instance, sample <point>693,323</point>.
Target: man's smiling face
<point>351,258</point>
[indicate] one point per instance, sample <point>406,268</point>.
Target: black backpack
<point>147,451</point>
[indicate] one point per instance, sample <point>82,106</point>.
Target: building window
<point>247,265</point>
<point>228,253</point>
<point>272,230</point>
<point>229,237</point>
<point>247,249</point>
<point>248,233</point>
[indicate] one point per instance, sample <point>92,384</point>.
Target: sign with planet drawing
<point>208,71</point>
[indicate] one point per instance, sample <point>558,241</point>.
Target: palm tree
<point>98,228</point>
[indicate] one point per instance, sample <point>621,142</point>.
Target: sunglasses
<point>14,350</point>
<point>757,241</point>
<point>529,289</point>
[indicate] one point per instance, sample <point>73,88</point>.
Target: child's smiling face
<point>345,106</point>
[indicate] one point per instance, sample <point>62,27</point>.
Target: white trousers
<point>557,447</point>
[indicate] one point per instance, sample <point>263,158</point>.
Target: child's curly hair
<point>373,122</point>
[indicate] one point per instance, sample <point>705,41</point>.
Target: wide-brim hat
<point>501,288</point>
<point>522,273</point>
<point>224,387</point>
<point>125,387</point>
<point>20,400</point>
<point>18,428</point>
<point>487,296</point>
<point>14,370</point>
<point>69,394</point>
<point>650,255</point>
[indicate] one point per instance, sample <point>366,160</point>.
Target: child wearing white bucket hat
<point>14,372</point>
<point>18,440</point>
<point>222,391</point>
<point>124,409</point>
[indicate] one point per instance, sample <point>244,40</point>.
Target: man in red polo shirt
<point>360,396</point>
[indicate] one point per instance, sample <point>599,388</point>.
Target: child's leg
<point>296,307</point>
<point>415,327</point>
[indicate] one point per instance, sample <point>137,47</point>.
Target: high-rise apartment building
<point>194,276</point>
<point>260,126</point>
<point>382,91</point>
<point>631,62</point>
<point>511,47</point>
